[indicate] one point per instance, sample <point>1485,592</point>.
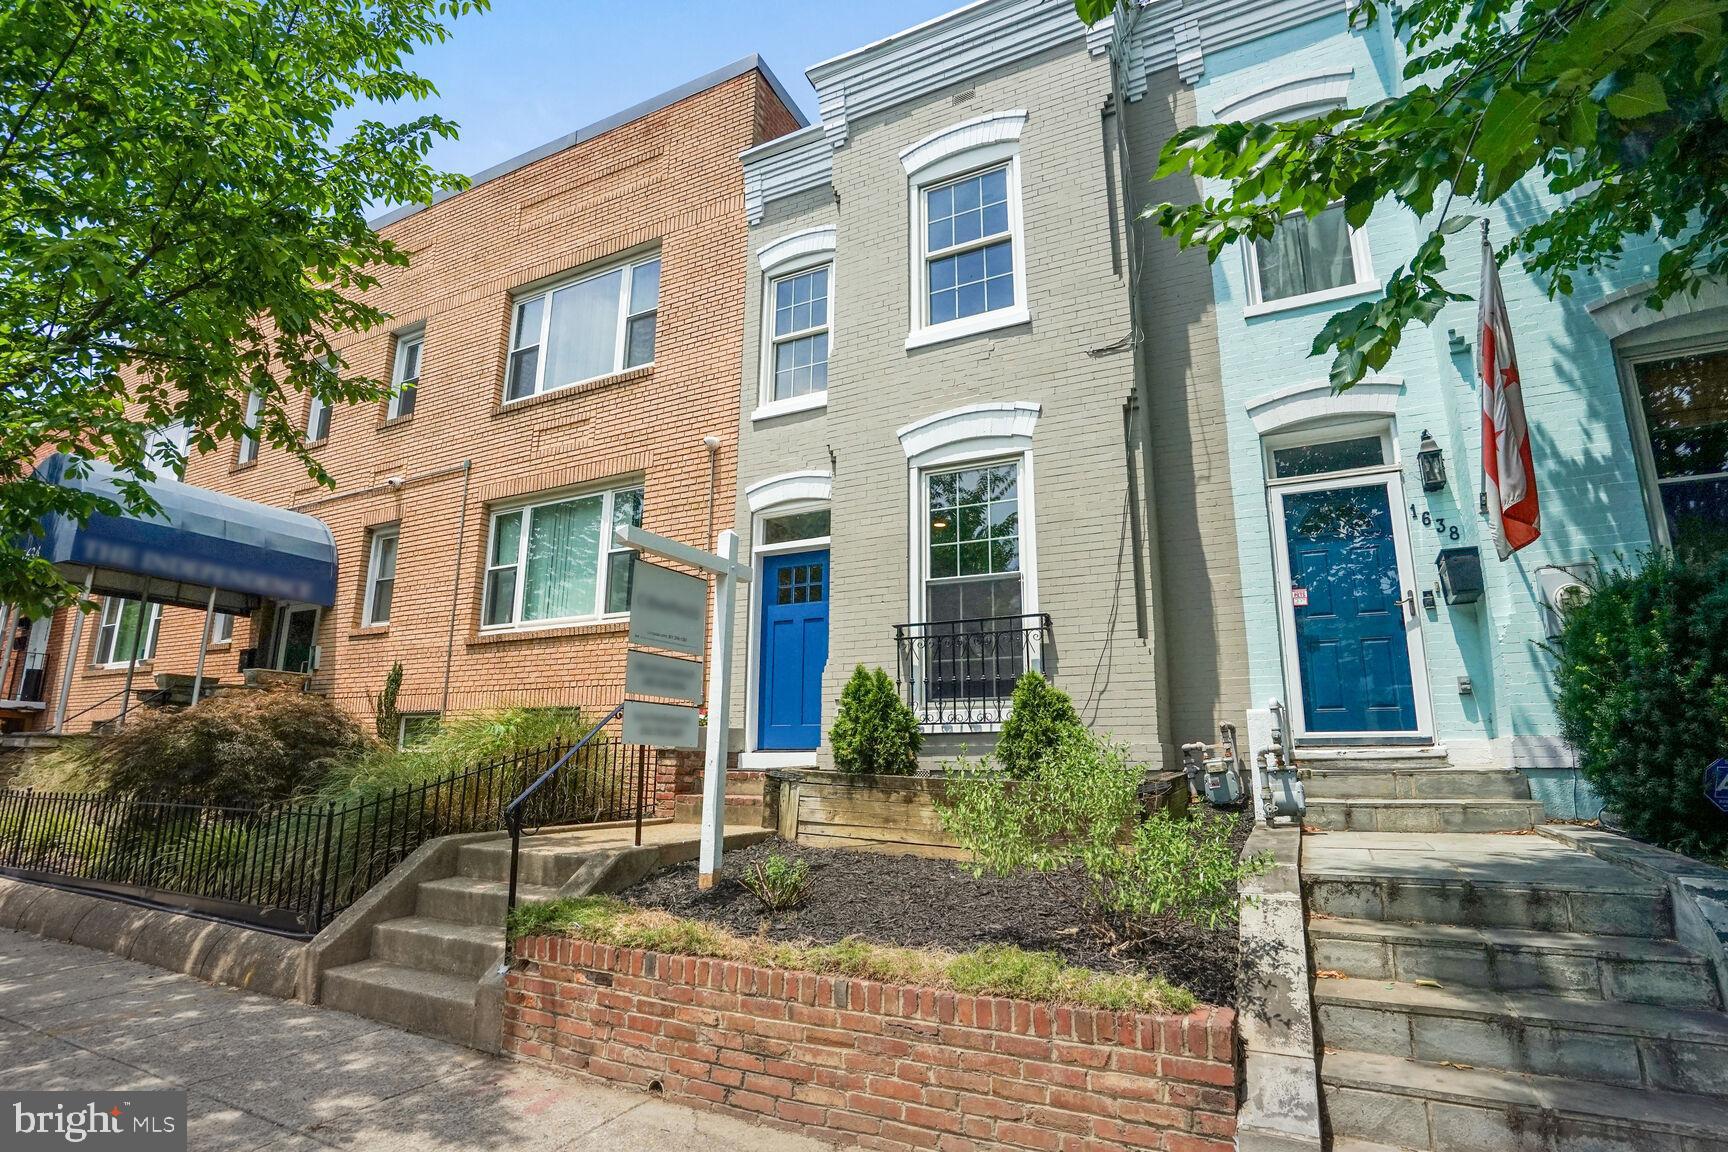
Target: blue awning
<point>200,540</point>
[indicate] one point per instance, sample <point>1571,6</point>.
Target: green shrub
<point>463,742</point>
<point>778,882</point>
<point>69,767</point>
<point>1643,696</point>
<point>247,747</point>
<point>385,718</point>
<point>874,733</point>
<point>1077,807</point>
<point>1041,714</point>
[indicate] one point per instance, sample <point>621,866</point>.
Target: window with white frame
<point>249,440</point>
<point>1683,398</point>
<point>167,446</point>
<point>405,375</point>
<point>968,246</point>
<point>972,564</point>
<point>380,576</point>
<point>1307,256</point>
<point>317,419</point>
<point>416,728</point>
<point>555,561</point>
<point>586,328</point>
<point>222,628</point>
<point>120,634</point>
<point>799,333</point>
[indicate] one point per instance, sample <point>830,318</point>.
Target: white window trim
<point>1361,265</point>
<point>619,346</point>
<point>789,487</point>
<point>414,338</point>
<point>249,439</point>
<point>607,547</point>
<point>217,635</point>
<point>152,626</point>
<point>790,263</point>
<point>316,405</point>
<point>402,725</point>
<point>951,166</point>
<point>374,546</point>
<point>1330,432</point>
<point>1644,456</point>
<point>777,496</point>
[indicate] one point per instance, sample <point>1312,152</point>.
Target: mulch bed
<point>914,901</point>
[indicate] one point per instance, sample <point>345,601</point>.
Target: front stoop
<point>1502,993</point>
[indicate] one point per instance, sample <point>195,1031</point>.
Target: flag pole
<point>1481,450</point>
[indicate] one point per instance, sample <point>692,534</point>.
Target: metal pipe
<point>72,658</point>
<point>137,646</point>
<point>455,588</point>
<point>203,646</point>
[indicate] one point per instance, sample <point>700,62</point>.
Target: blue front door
<point>794,649</point>
<point>1351,648</point>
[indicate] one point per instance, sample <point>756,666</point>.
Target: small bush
<point>874,733</point>
<point>1643,696</point>
<point>245,747</point>
<point>69,767</point>
<point>779,882</point>
<point>464,742</point>
<point>385,719</point>
<point>1040,716</point>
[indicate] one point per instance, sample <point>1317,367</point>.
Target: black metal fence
<point>962,672</point>
<point>292,868</point>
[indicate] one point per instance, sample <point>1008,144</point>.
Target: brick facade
<point>878,1065</point>
<point>668,179</point>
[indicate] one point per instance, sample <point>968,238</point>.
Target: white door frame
<point>1391,477</point>
<point>753,755</point>
<point>279,644</point>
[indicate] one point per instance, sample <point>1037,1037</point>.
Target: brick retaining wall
<point>880,1065</point>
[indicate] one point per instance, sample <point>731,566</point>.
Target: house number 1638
<point>1438,523</point>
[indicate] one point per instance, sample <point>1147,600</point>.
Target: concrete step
<point>467,950</point>
<point>469,900</point>
<point>1405,1104</point>
<point>544,865</point>
<point>741,811</point>
<point>1633,1045</point>
<point>1622,968</point>
<point>1415,784</point>
<point>1630,910</point>
<point>1428,815</point>
<point>430,1003</point>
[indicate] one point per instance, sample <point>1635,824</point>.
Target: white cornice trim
<point>1288,94</point>
<point>1313,401</point>
<point>796,162</point>
<point>996,128</point>
<point>1010,422</point>
<point>947,50</point>
<point>789,487</point>
<point>1180,33</point>
<point>1627,310</point>
<point>796,246</point>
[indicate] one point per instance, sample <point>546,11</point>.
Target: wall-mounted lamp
<point>1431,463</point>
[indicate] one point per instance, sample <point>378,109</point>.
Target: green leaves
<point>177,226</point>
<point>1616,111</point>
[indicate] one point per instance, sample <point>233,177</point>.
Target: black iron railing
<point>569,784</point>
<point>290,868</point>
<point>962,672</point>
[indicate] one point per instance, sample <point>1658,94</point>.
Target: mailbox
<point>1460,574</point>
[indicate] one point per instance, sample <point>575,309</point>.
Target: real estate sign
<point>668,609</point>
<point>665,677</point>
<point>661,725</point>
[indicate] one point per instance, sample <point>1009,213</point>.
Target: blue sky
<point>531,70</point>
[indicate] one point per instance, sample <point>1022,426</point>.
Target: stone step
<point>1631,910</point>
<point>1633,1045</point>
<point>469,900</point>
<point>1622,968</point>
<point>1404,1104</point>
<point>1369,815</point>
<point>1415,784</point>
<point>467,950</point>
<point>430,1003</point>
<point>741,811</point>
<point>544,865</point>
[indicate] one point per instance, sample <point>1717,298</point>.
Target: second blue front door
<point>1352,650</point>
<point>794,650</point>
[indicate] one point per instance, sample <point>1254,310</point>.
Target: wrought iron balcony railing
<point>961,673</point>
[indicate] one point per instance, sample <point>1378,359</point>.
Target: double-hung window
<point>1683,398</point>
<point>120,634</point>
<point>249,439</point>
<point>317,420</point>
<point>968,247</point>
<point>556,561</point>
<point>800,333</point>
<point>976,640</point>
<point>1308,256</point>
<point>222,628</point>
<point>405,376</point>
<point>584,329</point>
<point>380,576</point>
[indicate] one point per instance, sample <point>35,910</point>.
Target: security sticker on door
<point>1299,597</point>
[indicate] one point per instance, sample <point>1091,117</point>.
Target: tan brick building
<point>573,320</point>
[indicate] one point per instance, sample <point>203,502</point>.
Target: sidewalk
<point>268,1074</point>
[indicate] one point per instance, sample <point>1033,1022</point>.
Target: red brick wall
<point>879,1065</point>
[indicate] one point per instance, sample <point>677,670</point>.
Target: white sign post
<point>669,600</point>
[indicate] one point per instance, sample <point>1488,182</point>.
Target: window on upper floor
<point>249,440</point>
<point>1307,258</point>
<point>968,247</point>
<point>122,633</point>
<point>405,375</point>
<point>167,446</point>
<point>799,359</point>
<point>380,575</point>
<point>595,325</point>
<point>317,420</point>
<point>556,561</point>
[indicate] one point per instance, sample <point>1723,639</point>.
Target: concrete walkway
<point>270,1074</point>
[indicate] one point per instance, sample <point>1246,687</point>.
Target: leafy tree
<point>1617,107</point>
<point>874,732</point>
<point>181,224</point>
